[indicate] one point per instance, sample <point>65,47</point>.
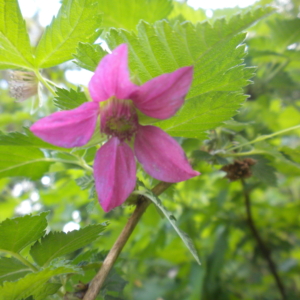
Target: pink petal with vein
<point>111,77</point>
<point>70,128</point>
<point>161,156</point>
<point>114,172</point>
<point>162,96</point>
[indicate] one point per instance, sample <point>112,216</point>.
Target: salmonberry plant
<point>174,173</point>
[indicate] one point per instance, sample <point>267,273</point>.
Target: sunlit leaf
<point>217,56</point>
<point>77,21</point>
<point>69,99</point>
<point>88,56</point>
<point>127,13</point>
<point>23,161</point>
<point>15,49</point>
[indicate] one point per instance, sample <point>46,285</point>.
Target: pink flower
<point>117,99</point>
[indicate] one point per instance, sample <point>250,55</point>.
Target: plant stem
<point>44,81</point>
<point>261,244</point>
<point>265,137</point>
<point>116,249</point>
<point>21,259</point>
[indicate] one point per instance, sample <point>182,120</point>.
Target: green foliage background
<point>162,36</point>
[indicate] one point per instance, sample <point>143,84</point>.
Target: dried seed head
<point>22,85</point>
<point>239,169</point>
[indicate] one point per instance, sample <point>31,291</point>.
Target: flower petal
<point>70,128</point>
<point>111,77</point>
<point>115,173</point>
<point>161,156</point>
<point>162,96</point>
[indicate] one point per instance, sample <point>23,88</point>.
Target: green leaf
<point>56,244</point>
<point>23,161</point>
<point>77,21</point>
<point>217,56</point>
<point>27,139</point>
<point>46,290</point>
<point>284,33</point>
<point>88,56</point>
<point>278,155</point>
<point>34,284</point>
<point>85,182</point>
<point>17,233</point>
<point>15,49</point>
<point>69,99</point>
<point>184,12</point>
<point>263,171</point>
<point>184,237</point>
<point>127,13</point>
<point>11,269</point>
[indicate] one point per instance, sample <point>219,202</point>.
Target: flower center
<point>119,119</point>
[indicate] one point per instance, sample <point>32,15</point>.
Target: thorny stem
<point>114,252</point>
<point>21,259</point>
<point>261,244</point>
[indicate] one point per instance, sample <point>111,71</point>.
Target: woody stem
<point>114,252</point>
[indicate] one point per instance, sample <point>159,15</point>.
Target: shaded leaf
<point>33,284</point>
<point>263,171</point>
<point>17,233</point>
<point>11,269</point>
<point>184,237</point>
<point>56,244</point>
<point>27,139</point>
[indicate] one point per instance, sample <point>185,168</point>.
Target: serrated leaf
<point>11,269</point>
<point>33,284</point>
<point>27,139</point>
<point>69,99</point>
<point>15,49</point>
<point>17,233</point>
<point>263,171</point>
<point>184,237</point>
<point>85,182</point>
<point>217,56</point>
<point>127,13</point>
<point>77,21</point>
<point>88,56</point>
<point>22,161</point>
<point>56,244</point>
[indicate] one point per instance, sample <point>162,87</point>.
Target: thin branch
<point>114,252</point>
<point>264,137</point>
<point>261,244</point>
